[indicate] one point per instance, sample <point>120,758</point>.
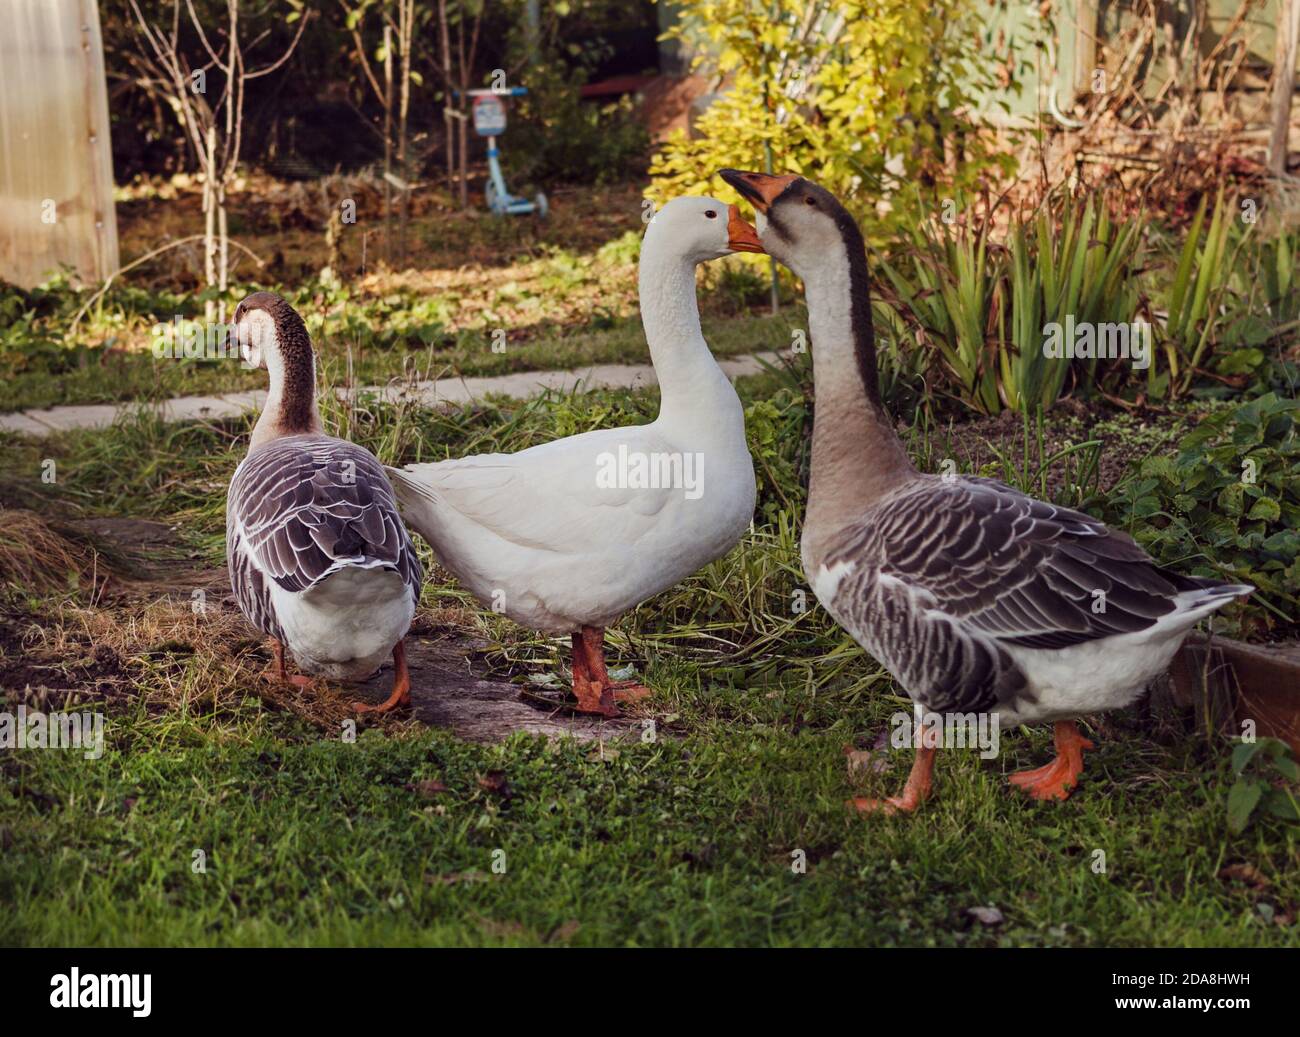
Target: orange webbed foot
<point>387,706</point>
<point>592,686</point>
<point>630,691</point>
<point>593,697</point>
<point>1056,779</point>
<point>915,792</point>
<point>278,672</point>
<point>401,695</point>
<point>892,805</point>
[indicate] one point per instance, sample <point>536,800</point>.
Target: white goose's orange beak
<point>741,237</point>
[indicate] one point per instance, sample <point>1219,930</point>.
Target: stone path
<point>441,392</point>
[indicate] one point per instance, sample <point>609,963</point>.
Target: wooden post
<point>447,122</point>
<point>99,150</point>
<point>1085,47</point>
<point>1288,36</point>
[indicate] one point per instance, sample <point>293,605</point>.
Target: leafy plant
<point>1077,464</point>
<point>1078,263</point>
<point>1195,293</point>
<point>624,249</point>
<point>560,137</point>
<point>1279,276</point>
<point>1228,503</point>
<point>1261,320</point>
<point>1231,306</point>
<point>982,308</point>
<point>741,284</point>
<point>944,292</point>
<point>1220,311</point>
<point>1262,767</point>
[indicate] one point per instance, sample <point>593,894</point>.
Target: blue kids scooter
<point>490,122</point>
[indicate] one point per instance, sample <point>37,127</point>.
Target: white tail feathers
<point>1195,604</point>
<point>408,487</point>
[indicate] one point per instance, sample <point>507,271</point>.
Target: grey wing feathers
<point>962,568</point>
<point>302,507</point>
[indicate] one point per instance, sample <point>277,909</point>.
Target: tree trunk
<point>405,29</point>
<point>223,244</point>
<point>447,120</point>
<point>209,164</point>
<point>464,119</point>
<point>388,142</point>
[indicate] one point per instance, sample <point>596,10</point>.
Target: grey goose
<point>319,559</point>
<point>975,596</point>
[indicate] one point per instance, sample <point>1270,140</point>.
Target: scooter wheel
<point>540,206</point>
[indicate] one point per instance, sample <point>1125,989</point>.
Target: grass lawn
<point>136,375</point>
<point>687,841</point>
<point>410,835</point>
<point>481,296</point>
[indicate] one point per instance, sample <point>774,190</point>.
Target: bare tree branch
<point>302,24</point>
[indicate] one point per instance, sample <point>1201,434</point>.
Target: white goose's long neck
<point>690,381</point>
<point>856,455</point>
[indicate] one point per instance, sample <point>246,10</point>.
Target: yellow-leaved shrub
<point>866,97</point>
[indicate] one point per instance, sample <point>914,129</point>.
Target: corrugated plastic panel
<point>56,170</point>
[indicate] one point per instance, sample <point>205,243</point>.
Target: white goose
<point>975,596</point>
<point>319,559</point>
<point>567,536</point>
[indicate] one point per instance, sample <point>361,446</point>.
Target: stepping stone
<point>446,692</point>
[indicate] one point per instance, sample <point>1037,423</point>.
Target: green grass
<point>687,841</point>
<point>684,841</point>
<point>116,377</point>
<point>564,294</point>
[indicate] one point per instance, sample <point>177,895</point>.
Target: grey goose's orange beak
<point>759,189</point>
<point>741,237</point>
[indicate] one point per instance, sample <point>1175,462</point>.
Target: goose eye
<point>711,214</point>
<point>810,200</point>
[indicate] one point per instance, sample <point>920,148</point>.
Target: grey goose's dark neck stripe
<point>863,329</point>
<point>298,393</point>
<point>861,326</point>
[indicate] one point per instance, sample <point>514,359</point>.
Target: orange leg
<point>590,644</point>
<point>624,691</point>
<point>1056,779</point>
<point>277,672</point>
<point>588,692</point>
<point>401,695</point>
<point>915,792</point>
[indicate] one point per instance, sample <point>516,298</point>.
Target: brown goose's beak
<point>741,237</point>
<point>759,189</point>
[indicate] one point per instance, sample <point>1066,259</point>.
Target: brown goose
<point>976,597</point>
<point>319,559</point>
